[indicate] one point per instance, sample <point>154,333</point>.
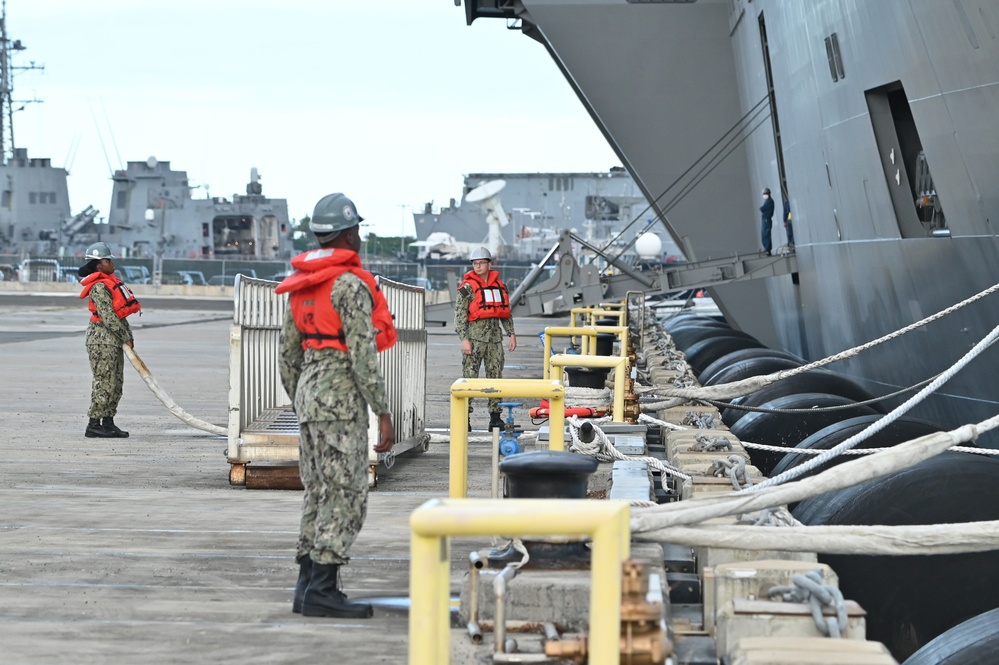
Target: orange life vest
<point>310,287</point>
<point>122,298</point>
<point>489,298</point>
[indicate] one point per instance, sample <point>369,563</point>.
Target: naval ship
<point>876,121</point>
<point>154,214</point>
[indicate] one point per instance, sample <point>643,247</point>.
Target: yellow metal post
<point>458,458</point>
<point>588,333</point>
<point>620,365</point>
<point>429,582</point>
<point>548,353</point>
<point>433,522</point>
<point>463,390</point>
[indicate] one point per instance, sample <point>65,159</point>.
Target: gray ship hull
<point>859,109</point>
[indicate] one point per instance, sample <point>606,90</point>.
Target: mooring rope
<point>697,510</point>
<point>888,419</point>
<point>752,384</point>
<point>604,450</point>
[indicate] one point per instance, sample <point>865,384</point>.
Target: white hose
<point>162,396</point>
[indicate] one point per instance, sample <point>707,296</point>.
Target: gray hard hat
<point>480,253</point>
<point>334,212</point>
<point>98,251</point>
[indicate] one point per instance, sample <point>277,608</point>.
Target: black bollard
<point>587,377</point>
<point>546,474</point>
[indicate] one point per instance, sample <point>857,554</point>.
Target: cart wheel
<point>372,477</point>
<point>425,446</point>
<point>237,473</point>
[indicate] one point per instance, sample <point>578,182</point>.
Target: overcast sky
<point>388,101</point>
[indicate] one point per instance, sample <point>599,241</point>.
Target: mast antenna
<point>7,69</point>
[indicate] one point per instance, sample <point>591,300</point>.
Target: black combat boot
<point>495,420</point>
<point>323,597</point>
<point>304,573</point>
<point>113,430</point>
<point>96,429</point>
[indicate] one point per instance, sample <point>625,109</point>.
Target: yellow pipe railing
<point>435,521</point>
<point>588,333</point>
<point>604,310</point>
<point>619,363</point>
<point>464,390</point>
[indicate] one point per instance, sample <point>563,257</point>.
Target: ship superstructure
<point>153,213</point>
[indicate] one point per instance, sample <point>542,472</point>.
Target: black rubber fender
<point>751,367</point>
<point>973,641</point>
<point>815,381</point>
<point>682,320</point>
<point>899,431</point>
<point>705,352</point>
<point>684,338</point>
<point>788,430</point>
<point>739,355</point>
<point>910,600</point>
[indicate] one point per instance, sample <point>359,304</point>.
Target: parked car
<point>185,278</point>
<point>279,276</point>
<point>69,275</point>
<point>230,279</point>
<point>222,280</point>
<point>192,277</point>
<point>421,282</point>
<point>133,274</point>
<point>41,270</point>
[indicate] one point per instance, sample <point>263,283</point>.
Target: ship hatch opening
<point>785,196</point>
<point>234,235</point>
<point>245,235</point>
<point>907,171</point>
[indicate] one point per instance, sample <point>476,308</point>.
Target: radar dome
<point>648,246</point>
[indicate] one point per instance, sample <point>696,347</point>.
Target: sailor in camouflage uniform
<point>337,322</point>
<point>110,302</point>
<point>481,314</point>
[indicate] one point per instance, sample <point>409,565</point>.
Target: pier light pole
<point>160,242</point>
<point>402,229</point>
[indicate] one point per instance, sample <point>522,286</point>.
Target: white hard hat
<point>480,253</point>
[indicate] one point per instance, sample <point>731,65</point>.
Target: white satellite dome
<point>649,246</point>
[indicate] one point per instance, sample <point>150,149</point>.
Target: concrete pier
<point>139,550</point>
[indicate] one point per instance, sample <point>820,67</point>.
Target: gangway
<point>263,431</point>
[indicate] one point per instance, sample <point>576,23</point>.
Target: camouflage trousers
<point>490,353</point>
<point>333,463</point>
<point>107,362</point>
